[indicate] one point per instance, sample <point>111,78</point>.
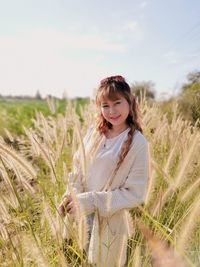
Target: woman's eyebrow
<point>117,99</point>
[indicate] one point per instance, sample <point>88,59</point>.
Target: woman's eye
<point>118,102</point>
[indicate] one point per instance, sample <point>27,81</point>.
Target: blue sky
<point>58,46</point>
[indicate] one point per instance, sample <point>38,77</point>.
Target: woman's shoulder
<point>88,135</point>
<point>139,140</point>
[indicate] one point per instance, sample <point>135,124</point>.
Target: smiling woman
<point>116,113</point>
<point>115,178</point>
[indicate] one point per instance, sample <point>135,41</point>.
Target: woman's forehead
<point>110,97</point>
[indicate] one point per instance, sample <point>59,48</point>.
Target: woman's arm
<point>130,195</point>
<point>74,182</point>
<point>74,177</point>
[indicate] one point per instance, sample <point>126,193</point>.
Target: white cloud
<point>42,59</point>
<point>174,61</point>
<point>133,28</point>
<point>78,41</point>
<point>171,57</point>
<point>181,58</point>
<point>169,54</point>
<point>143,4</point>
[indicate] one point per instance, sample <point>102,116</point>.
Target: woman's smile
<point>115,118</point>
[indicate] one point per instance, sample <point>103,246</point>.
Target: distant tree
<point>144,88</point>
<point>189,98</point>
<point>194,77</point>
<point>193,84</point>
<point>38,95</point>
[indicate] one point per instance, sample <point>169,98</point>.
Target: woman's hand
<point>68,205</point>
<point>62,209</point>
<point>71,205</point>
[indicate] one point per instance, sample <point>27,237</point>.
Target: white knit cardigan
<point>112,224</point>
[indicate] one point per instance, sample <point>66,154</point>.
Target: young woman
<point>114,178</point>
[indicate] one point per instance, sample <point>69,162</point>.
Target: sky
<point>65,47</point>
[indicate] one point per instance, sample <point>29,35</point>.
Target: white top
<point>133,191</point>
<point>126,190</point>
<point>105,161</point>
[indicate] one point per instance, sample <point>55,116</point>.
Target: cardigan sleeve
<point>131,194</point>
<point>75,175</point>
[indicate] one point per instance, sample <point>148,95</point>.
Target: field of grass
<point>34,164</point>
<point>17,113</point>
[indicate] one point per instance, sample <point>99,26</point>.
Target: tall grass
<point>34,176</point>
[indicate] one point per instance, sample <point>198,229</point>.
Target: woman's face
<point>115,111</point>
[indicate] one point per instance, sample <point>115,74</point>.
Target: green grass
<point>17,113</point>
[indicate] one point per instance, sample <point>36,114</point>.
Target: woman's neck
<point>116,130</point>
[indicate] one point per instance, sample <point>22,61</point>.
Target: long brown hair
<point>110,88</point>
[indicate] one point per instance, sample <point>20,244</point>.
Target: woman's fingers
<point>61,210</point>
<point>67,206</point>
<point>71,207</point>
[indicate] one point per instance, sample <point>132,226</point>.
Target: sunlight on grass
<point>34,172</point>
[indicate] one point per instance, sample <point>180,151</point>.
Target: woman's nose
<point>112,110</point>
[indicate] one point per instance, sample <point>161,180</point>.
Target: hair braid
<point>125,148</point>
<point>133,121</point>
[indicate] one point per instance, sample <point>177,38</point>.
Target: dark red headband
<point>117,78</point>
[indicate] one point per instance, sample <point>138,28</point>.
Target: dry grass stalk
<point>22,181</point>
<point>10,199</point>
<point>31,252</point>
<point>43,151</point>
<point>7,186</point>
<point>3,232</point>
<point>65,174</point>
<point>89,115</point>
<point>9,135</point>
<point>184,237</point>
<point>161,171</point>
<point>181,175</point>
<point>79,224</point>
<point>82,152</point>
<point>189,191</point>
<point>51,104</point>
<point>47,131</point>
<point>187,159</point>
<point>162,255</point>
<point>53,222</point>
<point>3,222</point>
<point>4,213</point>
<point>151,185</point>
<point>137,257</point>
<point>61,124</point>
<point>11,155</point>
<point>171,156</point>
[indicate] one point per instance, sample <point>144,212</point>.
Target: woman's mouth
<point>114,118</point>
